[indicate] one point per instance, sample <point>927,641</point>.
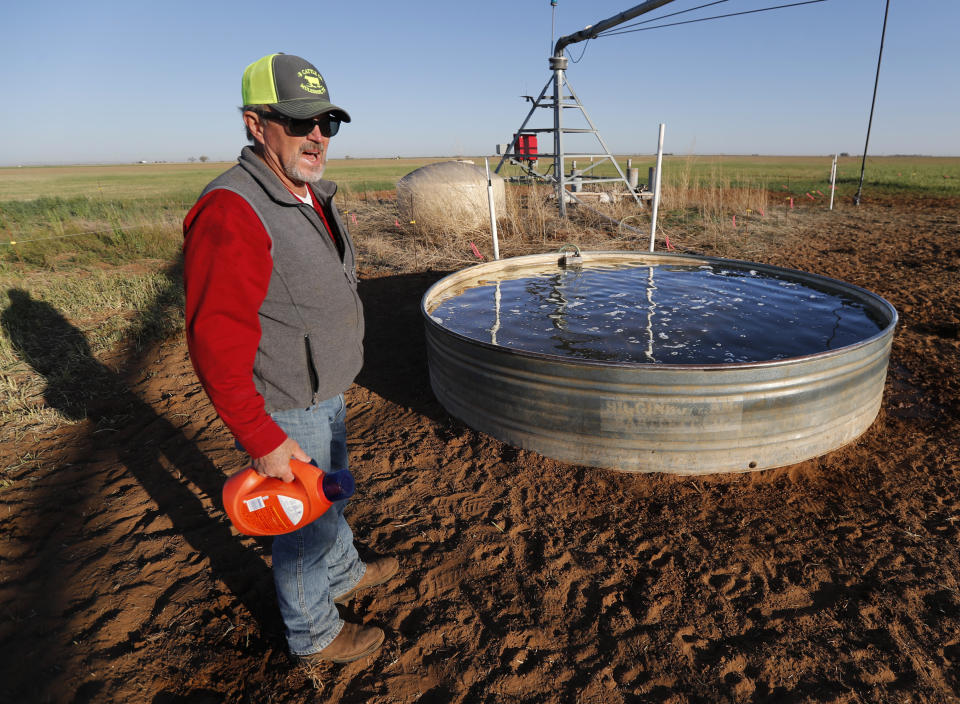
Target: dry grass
<point>87,316</point>
<point>723,220</point>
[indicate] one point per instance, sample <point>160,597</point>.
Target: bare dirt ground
<point>523,579</point>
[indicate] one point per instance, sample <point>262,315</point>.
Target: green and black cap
<point>290,85</point>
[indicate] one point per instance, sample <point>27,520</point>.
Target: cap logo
<point>312,82</point>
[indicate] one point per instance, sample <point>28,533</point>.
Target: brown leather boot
<point>352,643</point>
<point>377,573</point>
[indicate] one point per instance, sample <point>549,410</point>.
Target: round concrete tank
<point>648,416</point>
<point>436,195</point>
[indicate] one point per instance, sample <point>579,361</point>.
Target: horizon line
<point>187,162</point>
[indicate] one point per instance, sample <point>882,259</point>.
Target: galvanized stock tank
<point>651,416</point>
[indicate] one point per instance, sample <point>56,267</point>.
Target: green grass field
<point>938,176</point>
<point>182,182</point>
<point>175,181</point>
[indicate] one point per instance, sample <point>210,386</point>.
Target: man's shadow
<point>395,351</point>
<point>79,386</point>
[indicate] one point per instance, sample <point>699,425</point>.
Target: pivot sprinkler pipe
<point>558,64</point>
<point>595,29</point>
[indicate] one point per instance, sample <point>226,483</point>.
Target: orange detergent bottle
<point>267,506</point>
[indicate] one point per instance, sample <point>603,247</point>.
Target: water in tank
<point>703,313</point>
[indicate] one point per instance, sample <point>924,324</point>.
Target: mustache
<point>312,148</point>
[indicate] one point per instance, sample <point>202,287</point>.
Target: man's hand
<point>277,463</point>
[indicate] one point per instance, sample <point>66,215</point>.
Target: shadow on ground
<point>66,535</point>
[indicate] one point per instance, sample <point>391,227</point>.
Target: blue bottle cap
<point>338,485</point>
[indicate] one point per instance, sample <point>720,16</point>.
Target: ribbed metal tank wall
<point>638,417</point>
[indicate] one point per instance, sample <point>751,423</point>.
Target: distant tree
<point>192,158</point>
<point>844,153</point>
<point>204,157</point>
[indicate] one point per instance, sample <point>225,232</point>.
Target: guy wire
<point>704,19</point>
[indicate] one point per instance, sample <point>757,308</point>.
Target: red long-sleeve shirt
<point>227,269</point>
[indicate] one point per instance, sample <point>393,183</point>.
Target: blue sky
<point>110,81</point>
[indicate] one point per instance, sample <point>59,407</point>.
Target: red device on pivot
<point>527,148</point>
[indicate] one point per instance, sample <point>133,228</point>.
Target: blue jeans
<point>318,562</point>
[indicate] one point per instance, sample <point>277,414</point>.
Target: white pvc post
<point>833,179</point>
<point>656,189</point>
<point>493,215</point>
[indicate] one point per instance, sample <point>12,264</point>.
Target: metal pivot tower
<point>558,95</point>
<point>554,96</point>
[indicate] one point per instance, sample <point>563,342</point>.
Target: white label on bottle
<point>255,504</point>
<point>292,507</point>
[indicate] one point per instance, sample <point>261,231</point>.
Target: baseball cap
<point>290,85</point>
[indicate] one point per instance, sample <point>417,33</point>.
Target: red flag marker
<point>761,212</point>
<point>476,252</point>
<point>791,203</point>
<point>810,196</point>
<point>396,222</point>
<point>734,221</point>
<point>354,216</point>
<point>669,246</point>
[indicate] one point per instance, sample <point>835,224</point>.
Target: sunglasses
<point>301,127</point>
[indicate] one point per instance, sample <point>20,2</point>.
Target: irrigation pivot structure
<point>554,96</point>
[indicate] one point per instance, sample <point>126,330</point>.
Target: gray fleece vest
<point>311,321</point>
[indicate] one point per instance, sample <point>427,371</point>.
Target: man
<point>275,332</point>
